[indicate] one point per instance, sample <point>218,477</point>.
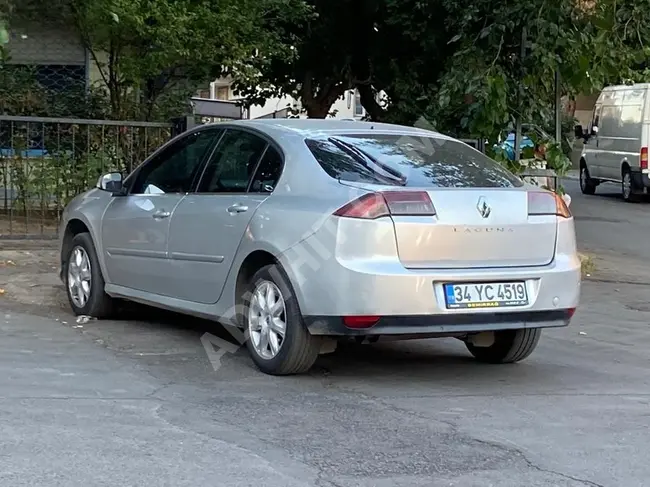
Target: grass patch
<point>588,265</point>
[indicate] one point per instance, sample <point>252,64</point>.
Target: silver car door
<point>135,226</point>
<point>208,225</point>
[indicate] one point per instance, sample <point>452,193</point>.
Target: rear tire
<point>587,185</point>
<point>628,191</point>
<point>297,350</point>
<point>82,271</point>
<point>509,346</point>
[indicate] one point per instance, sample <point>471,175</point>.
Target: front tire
<point>587,185</point>
<point>276,336</point>
<point>84,281</point>
<point>509,346</point>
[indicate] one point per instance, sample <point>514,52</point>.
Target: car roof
<point>310,127</point>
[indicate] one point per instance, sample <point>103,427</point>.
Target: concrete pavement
<point>137,402</point>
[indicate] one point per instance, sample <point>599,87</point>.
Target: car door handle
<point>159,215</point>
<point>237,208</point>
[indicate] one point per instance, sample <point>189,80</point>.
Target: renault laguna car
<point>302,232</point>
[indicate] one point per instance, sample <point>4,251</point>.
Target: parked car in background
<point>532,136</point>
<point>307,231</point>
<point>614,147</point>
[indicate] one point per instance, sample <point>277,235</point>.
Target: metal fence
<point>45,162</point>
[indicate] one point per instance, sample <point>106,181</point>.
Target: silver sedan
<point>304,232</point>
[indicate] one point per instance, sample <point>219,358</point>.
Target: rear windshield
<point>408,161</point>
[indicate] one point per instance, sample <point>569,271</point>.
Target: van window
<point>609,122</point>
<point>595,121</point>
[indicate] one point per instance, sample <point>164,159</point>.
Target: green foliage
<point>493,77</point>
<point>22,94</point>
<point>151,55</point>
<point>41,184</point>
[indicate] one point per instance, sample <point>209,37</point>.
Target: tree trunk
<point>370,104</point>
<point>318,110</point>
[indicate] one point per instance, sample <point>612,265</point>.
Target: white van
<point>614,147</point>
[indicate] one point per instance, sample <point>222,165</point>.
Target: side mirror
<point>111,182</point>
<point>579,132</point>
<point>594,130</point>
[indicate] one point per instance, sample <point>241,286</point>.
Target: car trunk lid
<point>476,228</point>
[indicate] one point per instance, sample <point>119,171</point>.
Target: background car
<point>302,232</point>
<point>531,137</point>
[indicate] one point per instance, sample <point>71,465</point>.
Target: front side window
<point>231,167</point>
<point>175,168</point>
<point>408,161</point>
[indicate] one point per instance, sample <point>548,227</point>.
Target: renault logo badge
<point>483,208</point>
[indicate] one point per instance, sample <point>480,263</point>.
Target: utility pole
<point>524,45</point>
<point>558,108</point>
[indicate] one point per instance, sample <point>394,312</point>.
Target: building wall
<point>38,44</point>
<point>221,88</point>
<point>584,108</point>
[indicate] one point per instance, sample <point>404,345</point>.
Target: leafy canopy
<point>152,52</point>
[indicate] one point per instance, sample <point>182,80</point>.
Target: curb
<point>572,175</point>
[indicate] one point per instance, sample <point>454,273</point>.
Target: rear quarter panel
<point>301,204</point>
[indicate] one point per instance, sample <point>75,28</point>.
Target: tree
<point>622,51</point>
<point>153,52</point>
<point>391,46</point>
<point>505,61</point>
<point>317,70</point>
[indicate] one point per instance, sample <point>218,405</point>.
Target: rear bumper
<point>356,272</point>
<point>641,180</point>
<point>441,324</point>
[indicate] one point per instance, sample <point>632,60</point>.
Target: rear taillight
<point>547,203</point>
<point>387,203</point>
<point>643,158</point>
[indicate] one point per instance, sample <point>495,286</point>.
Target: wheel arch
<point>75,225</point>
<point>625,165</point>
<point>255,260</point>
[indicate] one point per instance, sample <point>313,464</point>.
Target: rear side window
<point>408,161</point>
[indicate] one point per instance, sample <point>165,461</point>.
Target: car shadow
<point>613,192</point>
<point>444,362</point>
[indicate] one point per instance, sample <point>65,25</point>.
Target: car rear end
<point>435,240</point>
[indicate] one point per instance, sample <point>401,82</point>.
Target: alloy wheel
<point>79,277</point>
<point>267,317</point>
<point>627,185</point>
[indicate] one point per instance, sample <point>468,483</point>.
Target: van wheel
<point>628,191</point>
<point>509,346</point>
<point>587,185</point>
<point>276,336</point>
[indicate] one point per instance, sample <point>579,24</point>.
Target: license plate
<point>486,295</point>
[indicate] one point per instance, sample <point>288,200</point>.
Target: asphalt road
<point>138,402</point>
